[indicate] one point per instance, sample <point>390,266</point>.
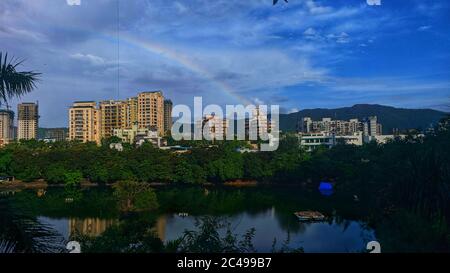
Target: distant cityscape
<point>148,118</point>
<point>328,132</point>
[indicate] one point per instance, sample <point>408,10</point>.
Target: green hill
<point>389,117</point>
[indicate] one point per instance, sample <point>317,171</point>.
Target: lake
<point>267,210</point>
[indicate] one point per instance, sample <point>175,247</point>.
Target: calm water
<point>268,210</point>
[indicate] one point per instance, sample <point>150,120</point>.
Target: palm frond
<point>14,84</point>
<point>22,233</point>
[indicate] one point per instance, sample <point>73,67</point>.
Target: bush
<point>55,174</point>
<point>72,178</point>
<point>135,196</point>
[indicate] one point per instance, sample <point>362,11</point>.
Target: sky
<point>301,54</point>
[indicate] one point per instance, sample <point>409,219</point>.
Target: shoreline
<point>20,185</point>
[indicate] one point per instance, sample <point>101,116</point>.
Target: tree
<point>14,84</point>
<point>72,178</point>
<point>135,196</point>
<point>207,238</point>
<point>55,174</point>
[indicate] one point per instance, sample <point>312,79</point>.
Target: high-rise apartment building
<point>89,123</point>
<point>117,114</point>
<point>131,112</point>
<point>258,125</point>
<point>372,127</point>
<point>167,115</point>
<point>6,127</point>
<point>112,117</point>
<point>212,127</point>
<point>27,121</point>
<point>84,122</point>
<point>151,111</point>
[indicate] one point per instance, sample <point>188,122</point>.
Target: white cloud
<point>341,38</point>
<point>423,28</point>
<point>73,2</point>
<point>310,32</point>
<point>257,101</point>
<point>316,9</point>
<point>21,33</point>
<point>92,59</point>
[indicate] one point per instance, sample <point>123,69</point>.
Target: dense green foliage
<point>411,174</point>
<point>134,196</point>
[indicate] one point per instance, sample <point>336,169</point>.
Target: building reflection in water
<point>90,226</point>
<point>160,227</point>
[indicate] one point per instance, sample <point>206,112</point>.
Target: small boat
<point>309,216</point>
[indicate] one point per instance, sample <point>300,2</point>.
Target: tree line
<point>414,170</point>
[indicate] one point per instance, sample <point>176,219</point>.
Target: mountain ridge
<point>390,117</point>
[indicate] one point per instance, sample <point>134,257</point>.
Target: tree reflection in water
<point>136,233</point>
<point>22,233</point>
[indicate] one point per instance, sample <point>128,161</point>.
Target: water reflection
<point>269,212</point>
<point>89,227</point>
<point>332,236</point>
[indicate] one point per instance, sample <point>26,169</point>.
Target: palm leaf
<point>22,233</point>
<point>14,84</point>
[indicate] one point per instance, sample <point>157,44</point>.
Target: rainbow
<point>182,60</point>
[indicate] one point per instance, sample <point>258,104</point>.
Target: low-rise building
<point>310,141</point>
<point>326,139</point>
<point>136,135</point>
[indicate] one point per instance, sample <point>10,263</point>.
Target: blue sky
<point>304,54</point>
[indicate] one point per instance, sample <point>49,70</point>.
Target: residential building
<point>84,122</point>
<point>354,139</point>
<point>91,123</point>
<point>27,121</point>
<point>313,140</point>
<point>131,112</point>
<point>136,135</point>
<point>212,127</point>
<point>258,125</point>
<point>112,117</point>
<point>338,127</point>
<point>151,111</point>
<point>167,115</point>
<point>56,134</point>
<point>372,127</point>
<point>6,127</point>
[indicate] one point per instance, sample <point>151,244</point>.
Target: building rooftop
<point>151,92</point>
<point>6,111</point>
